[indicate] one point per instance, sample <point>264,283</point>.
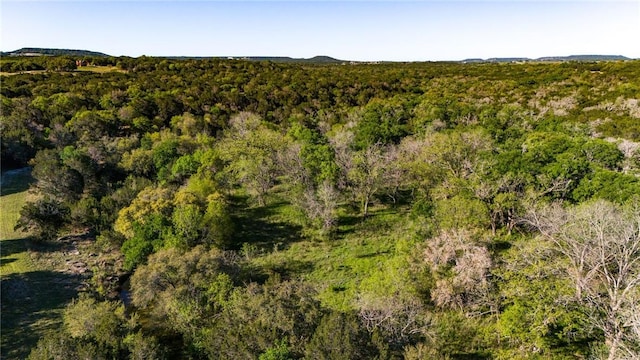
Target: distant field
<point>99,69</point>
<point>22,72</point>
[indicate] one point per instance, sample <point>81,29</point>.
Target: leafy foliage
<point>211,181</point>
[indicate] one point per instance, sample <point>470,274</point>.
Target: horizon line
<point>240,57</point>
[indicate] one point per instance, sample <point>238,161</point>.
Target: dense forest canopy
<point>337,211</point>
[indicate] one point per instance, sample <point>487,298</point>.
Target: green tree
<point>259,317</point>
<point>101,322</point>
<point>59,345</point>
<point>150,200</point>
<point>251,150</point>
<point>602,153</point>
<point>277,352</point>
<point>54,179</point>
<point>92,125</point>
<point>201,215</point>
<point>462,211</point>
<point>184,291</point>
<point>43,218</point>
<point>143,347</point>
<point>22,133</point>
<point>608,185</point>
<point>340,336</point>
<point>368,171</point>
<point>383,122</point>
<point>60,63</point>
<point>149,235</point>
<point>217,224</point>
<point>538,316</point>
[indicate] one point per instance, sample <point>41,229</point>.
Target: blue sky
<point>351,30</point>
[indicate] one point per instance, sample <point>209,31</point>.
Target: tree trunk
<point>613,345</point>
<point>365,206</point>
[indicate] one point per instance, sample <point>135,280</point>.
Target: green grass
<point>367,257</point>
<point>96,69</point>
<point>22,72</point>
<point>13,248</point>
<point>33,291</point>
<point>99,69</point>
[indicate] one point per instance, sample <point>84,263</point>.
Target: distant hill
<point>510,59</point>
<point>584,58</point>
<point>281,59</point>
<point>52,52</point>
<point>321,59</point>
<point>314,60</point>
<point>553,58</point>
<point>474,60</point>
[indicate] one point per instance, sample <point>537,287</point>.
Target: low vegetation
<point>202,208</point>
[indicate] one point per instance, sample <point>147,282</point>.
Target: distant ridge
<point>52,52</point>
<point>552,58</point>
<point>584,58</point>
<point>514,59</point>
<point>321,59</point>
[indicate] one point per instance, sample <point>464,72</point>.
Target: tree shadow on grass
<point>61,244</point>
<point>347,224</point>
<point>31,305</point>
<point>16,246</point>
<point>355,222</point>
<point>499,246</point>
<point>372,254</point>
<point>288,270</point>
<point>15,181</point>
<point>258,226</point>
<point>13,246</point>
<point>4,262</point>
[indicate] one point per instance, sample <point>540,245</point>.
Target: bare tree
<point>631,152</point>
<point>366,175</point>
<point>395,175</point>
<point>601,242</point>
<point>455,252</point>
<point>320,205</point>
<point>341,142</point>
<point>318,202</point>
<point>369,171</point>
<point>399,319</point>
<point>292,164</point>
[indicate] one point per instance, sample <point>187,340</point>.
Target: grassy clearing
<point>13,248</point>
<point>96,69</point>
<point>367,256</point>
<point>99,69</point>
<point>22,72</point>
<point>34,290</point>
